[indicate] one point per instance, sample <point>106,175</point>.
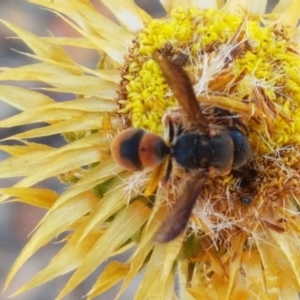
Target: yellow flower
<point>243,238</point>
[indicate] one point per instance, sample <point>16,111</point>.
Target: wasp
<point>201,149</point>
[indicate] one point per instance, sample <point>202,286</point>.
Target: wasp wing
<point>180,213</point>
<point>183,91</point>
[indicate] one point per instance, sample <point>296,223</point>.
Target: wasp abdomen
<point>242,148</point>
<point>135,149</point>
<point>125,149</point>
<point>152,150</point>
<point>222,148</point>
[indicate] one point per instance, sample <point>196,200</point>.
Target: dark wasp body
<point>207,149</point>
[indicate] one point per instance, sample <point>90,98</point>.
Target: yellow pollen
<point>209,45</point>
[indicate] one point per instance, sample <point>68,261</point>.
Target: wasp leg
<point>166,178</point>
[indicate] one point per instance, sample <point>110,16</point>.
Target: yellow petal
<point>138,260</point>
<point>64,79</point>
<point>290,250</point>
<point>108,206</point>
<point>130,220</point>
<point>205,4</point>
<point>157,174</point>
<point>55,223</point>
<point>281,6</point>
<point>70,41</point>
<point>290,17</point>
<point>61,127</point>
<point>97,175</point>
<point>255,7</point>
<point>237,245</point>
<point>80,108</point>
<point>128,14</point>
<point>112,49</point>
<point>144,246</point>
<point>23,99</point>
<point>170,4</point>
<point>158,270</point>
<point>111,275</point>
<point>18,151</point>
<point>269,266</point>
<point>83,152</point>
<point>46,52</point>
<point>252,265</point>
<point>43,198</point>
<point>66,260</point>
<point>207,294</point>
<point>89,20</point>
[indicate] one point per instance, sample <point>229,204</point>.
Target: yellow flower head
<point>242,238</point>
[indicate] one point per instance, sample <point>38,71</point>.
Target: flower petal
<point>170,4</point>
<point>144,247</point>
<point>108,206</point>
<point>61,111</point>
<point>43,198</point>
<point>111,275</point>
<point>290,14</point>
<point>237,245</point>
<point>130,220</point>
<point>158,270</point>
<point>63,79</point>
<point>96,175</point>
<point>71,255</point>
<point>55,223</point>
<point>45,51</point>
<point>89,20</point>
<point>252,265</point>
<point>128,14</point>
<point>255,7</point>
<point>30,164</point>
<point>23,99</point>
<point>290,250</point>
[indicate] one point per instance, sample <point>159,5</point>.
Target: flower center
<point>243,73</point>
